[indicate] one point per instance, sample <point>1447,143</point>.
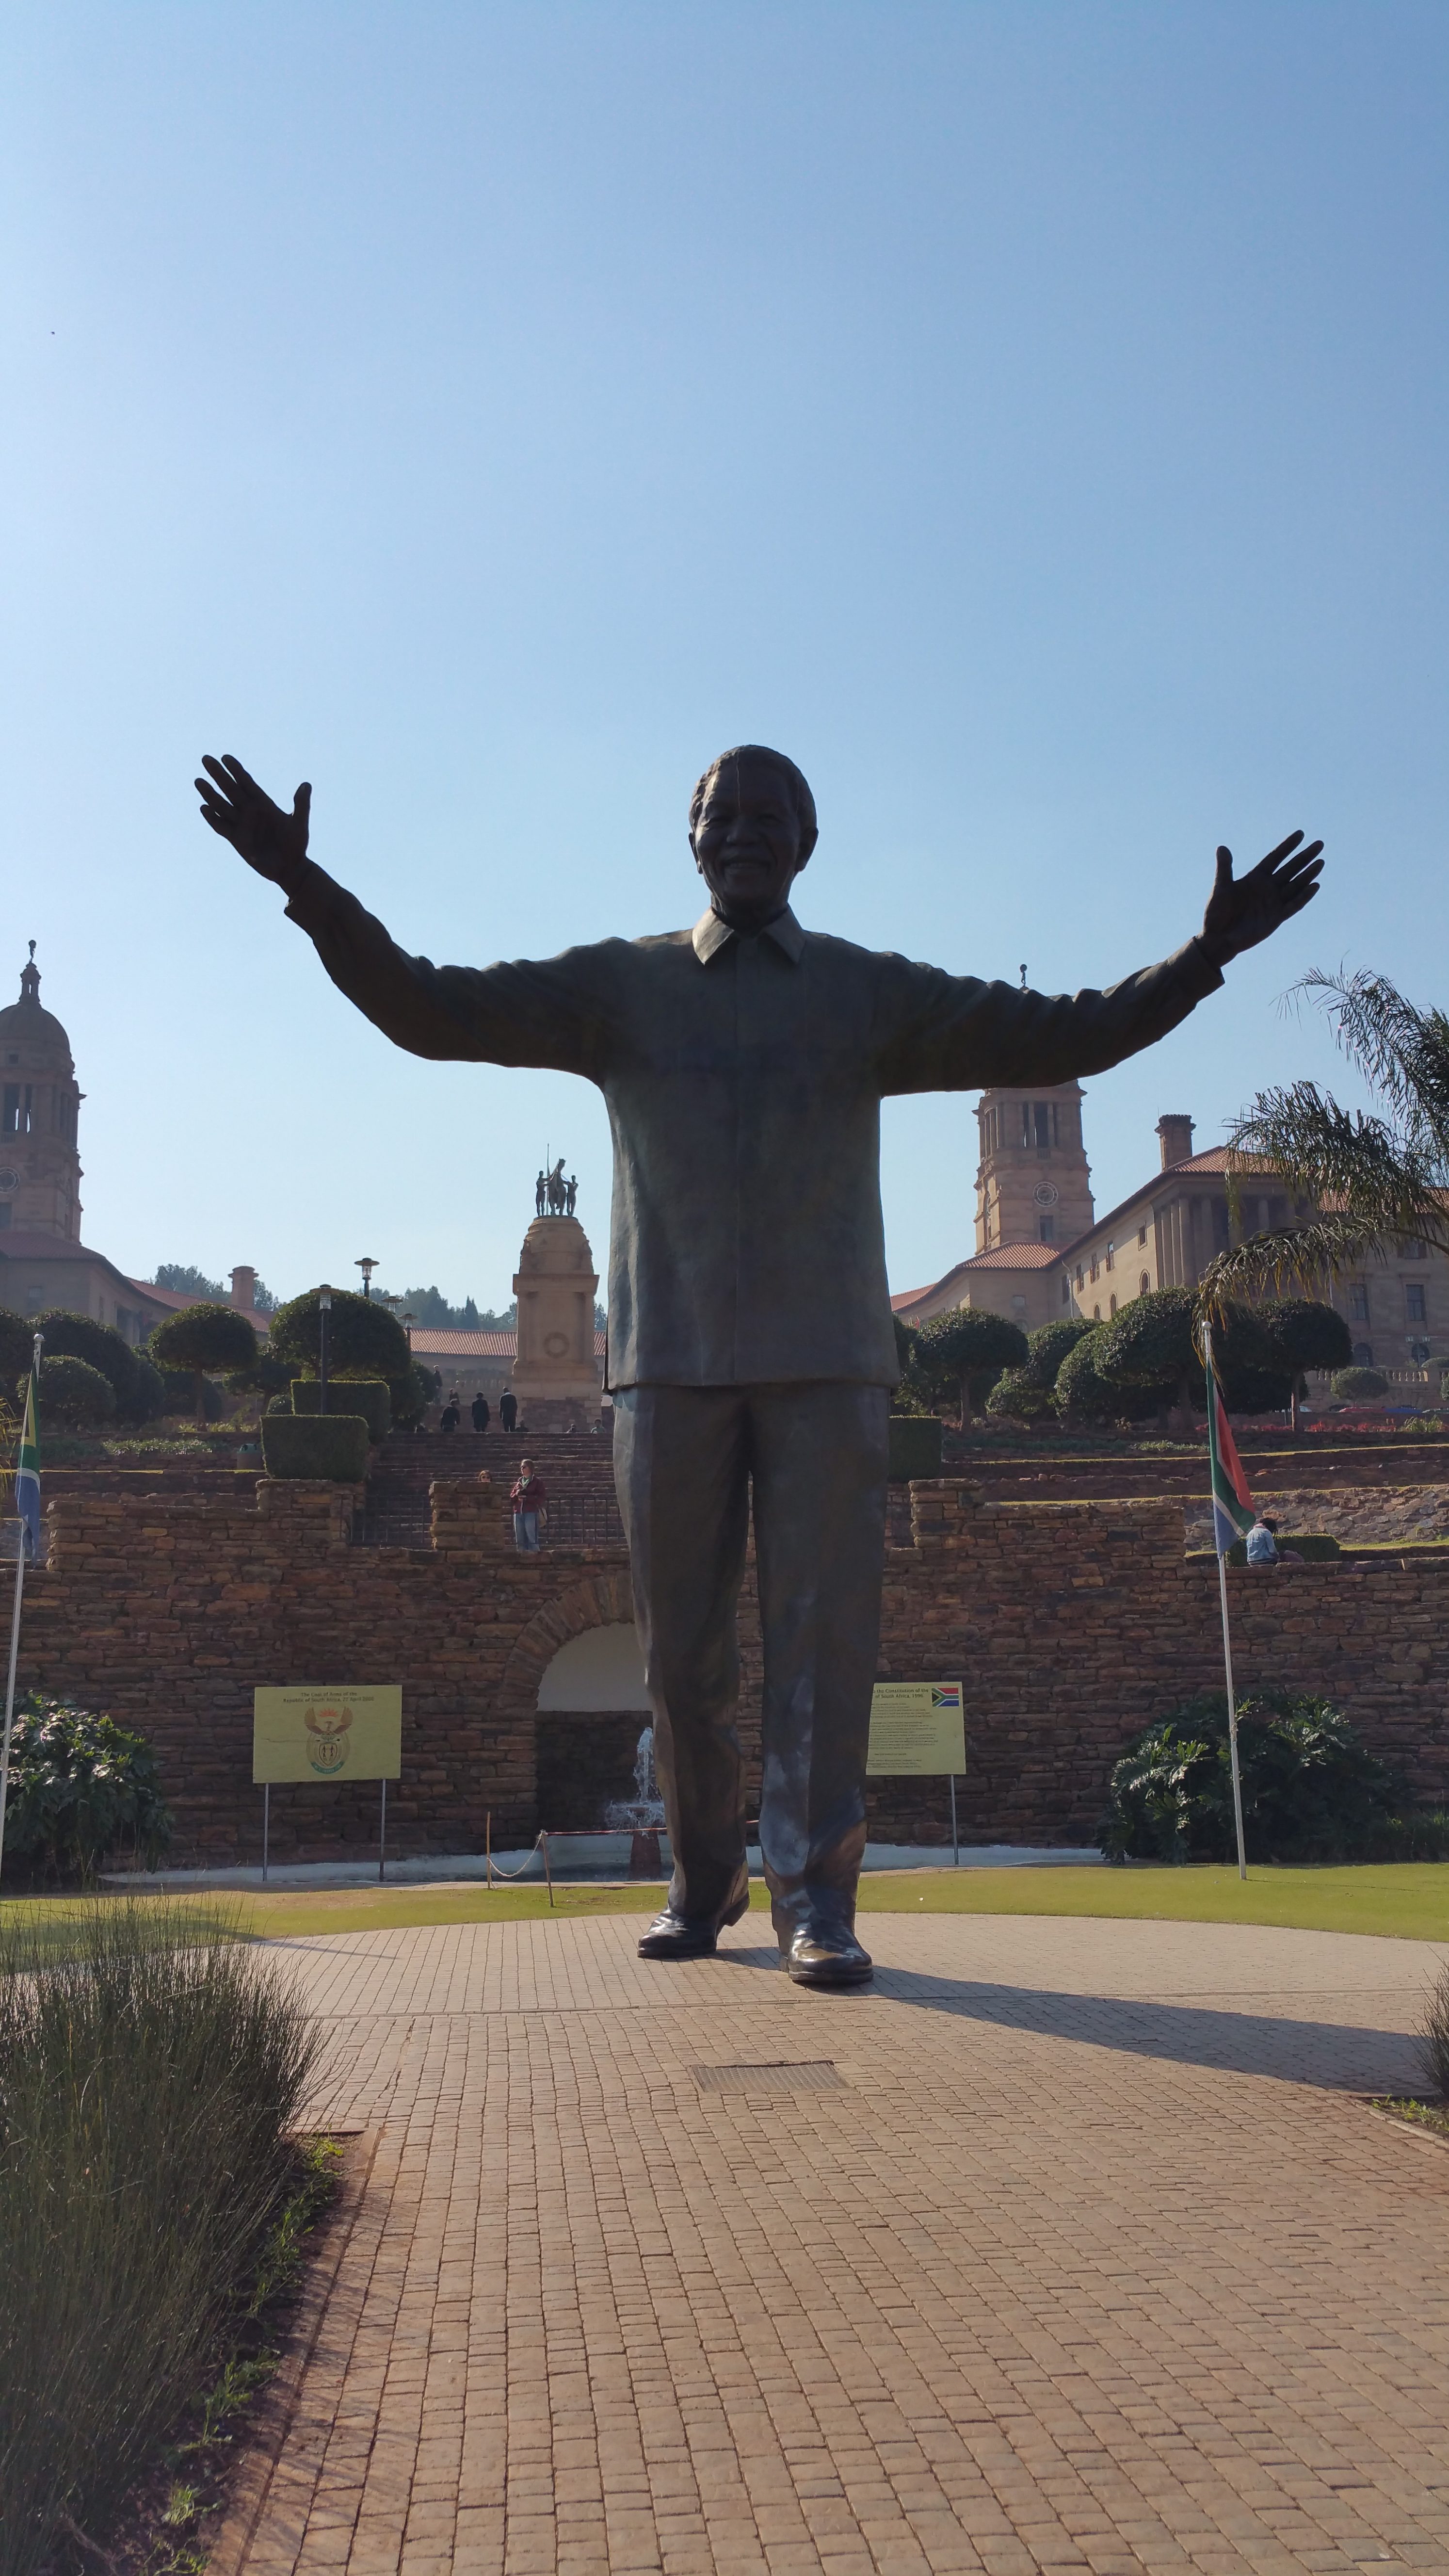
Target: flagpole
<point>1227,1632</point>
<point>21,1534</point>
<point>27,1526</point>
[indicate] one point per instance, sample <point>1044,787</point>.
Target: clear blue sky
<point>1031,417</point>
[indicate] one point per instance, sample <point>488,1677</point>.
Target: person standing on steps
<point>479,1411</point>
<point>507,1409</point>
<point>528,1497</point>
<point>743,1064</point>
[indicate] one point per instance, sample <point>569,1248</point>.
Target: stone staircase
<point>577,1469</point>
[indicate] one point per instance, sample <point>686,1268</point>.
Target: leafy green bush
<point>1082,1394</point>
<point>1017,1397</point>
<point>1049,1345</point>
<point>81,1787</point>
<point>361,1335</point>
<point>963,1353</point>
<point>202,1338</point>
<point>17,1346</point>
<point>151,2069</point>
<point>330,1446</point>
<point>133,1379</point>
<point>911,1393</point>
<point>369,1396</point>
<point>71,1393</point>
<point>1352,1383</point>
<point>1311,1789</point>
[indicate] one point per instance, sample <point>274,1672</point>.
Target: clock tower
<point>1033,1184</point>
<point>39,1105</point>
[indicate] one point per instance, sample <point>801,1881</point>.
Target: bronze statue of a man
<point>750,1343</point>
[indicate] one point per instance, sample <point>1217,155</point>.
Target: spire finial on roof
<point>30,979</point>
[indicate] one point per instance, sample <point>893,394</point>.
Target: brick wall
<point>1070,1625</point>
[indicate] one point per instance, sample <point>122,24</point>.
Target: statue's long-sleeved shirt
<point>743,1078</point>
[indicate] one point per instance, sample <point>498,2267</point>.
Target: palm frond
<point>1295,1261</point>
<point>1401,1051</point>
<point>1341,1159</point>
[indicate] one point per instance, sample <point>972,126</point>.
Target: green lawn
<point>1408,1900</point>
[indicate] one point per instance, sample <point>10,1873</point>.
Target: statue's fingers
<point>1283,849</point>
<point>302,801</point>
<point>1224,874</point>
<point>216,773</point>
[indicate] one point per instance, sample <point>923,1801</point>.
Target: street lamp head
<point>324,1300</point>
<point>366,1265</point>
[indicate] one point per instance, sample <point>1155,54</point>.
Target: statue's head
<point>752,828</point>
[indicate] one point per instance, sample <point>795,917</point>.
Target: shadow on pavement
<point>1331,2054</point>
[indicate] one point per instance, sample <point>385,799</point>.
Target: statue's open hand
<point>1243,910</point>
<point>234,805</point>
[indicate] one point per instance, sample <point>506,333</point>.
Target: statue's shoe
<point>692,1936</point>
<point>823,1954</point>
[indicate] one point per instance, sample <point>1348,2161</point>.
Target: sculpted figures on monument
<point>743,1063</point>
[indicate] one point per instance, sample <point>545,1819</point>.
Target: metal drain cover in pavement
<point>779,2075</point>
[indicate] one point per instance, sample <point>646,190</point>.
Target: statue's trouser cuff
<point>684,1462</point>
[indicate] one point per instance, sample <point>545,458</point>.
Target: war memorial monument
<point>743,1063</point>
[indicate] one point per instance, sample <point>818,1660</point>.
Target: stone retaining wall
<point>1071,1625</point>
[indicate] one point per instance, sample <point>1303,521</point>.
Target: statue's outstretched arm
<point>943,1032</point>
<point>522,1014</point>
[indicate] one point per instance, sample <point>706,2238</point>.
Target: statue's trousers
<point>815,1454</point>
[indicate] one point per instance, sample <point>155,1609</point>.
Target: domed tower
<point>555,1375</point>
<point>39,1109</point>
<point>1033,1184</point>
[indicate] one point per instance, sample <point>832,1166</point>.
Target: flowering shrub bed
<point>81,1787</point>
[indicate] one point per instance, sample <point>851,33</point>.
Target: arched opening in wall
<point>592,1709</point>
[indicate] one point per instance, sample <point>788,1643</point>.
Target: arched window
<point>1143,1285</point>
<point>1111,1305</point>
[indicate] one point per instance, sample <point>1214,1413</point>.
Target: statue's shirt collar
<point>710,935</point>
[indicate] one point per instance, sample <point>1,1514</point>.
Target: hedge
<point>329,1447</point>
<point>369,1396</point>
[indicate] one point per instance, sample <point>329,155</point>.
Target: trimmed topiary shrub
<point>962,1354</point>
<point>915,1446</point>
<point>17,1346</point>
<point>1359,1384</point>
<point>1312,1791</point>
<point>369,1396</point>
<point>178,1394</point>
<point>71,1393</point>
<point>361,1335</point>
<point>331,1447</point>
<point>202,1338</point>
<point>82,1788</point>
<point>1083,1394</point>
<point>129,1373</point>
<point>1016,1397</point>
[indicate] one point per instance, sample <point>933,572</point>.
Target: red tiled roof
<point>1015,1256</point>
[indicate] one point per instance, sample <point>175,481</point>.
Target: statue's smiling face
<point>747,842</point>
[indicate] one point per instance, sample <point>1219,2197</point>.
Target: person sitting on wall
<point>528,1498</point>
<point>479,1410</point>
<point>1263,1541</point>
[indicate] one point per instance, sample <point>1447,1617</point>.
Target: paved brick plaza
<point>1081,2254</point>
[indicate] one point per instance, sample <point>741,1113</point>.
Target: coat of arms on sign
<point>328,1729</point>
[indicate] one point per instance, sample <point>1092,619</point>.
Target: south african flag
<point>1233,1513</point>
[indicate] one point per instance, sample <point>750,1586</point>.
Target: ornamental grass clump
<point>1434,2038</point>
<point>1312,1791</point>
<point>151,2069</point>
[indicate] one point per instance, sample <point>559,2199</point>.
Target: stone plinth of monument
<point>556,1377</point>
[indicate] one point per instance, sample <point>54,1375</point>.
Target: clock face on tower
<point>1045,1194</point>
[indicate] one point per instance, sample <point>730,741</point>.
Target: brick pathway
<point>1067,2247</point>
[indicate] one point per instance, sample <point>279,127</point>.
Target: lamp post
<point>366,1265</point>
<point>324,1331</point>
<point>409,1319</point>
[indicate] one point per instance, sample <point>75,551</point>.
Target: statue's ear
<point>808,840</point>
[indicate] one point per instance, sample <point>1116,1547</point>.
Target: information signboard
<point>916,1729</point>
<point>327,1731</point>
